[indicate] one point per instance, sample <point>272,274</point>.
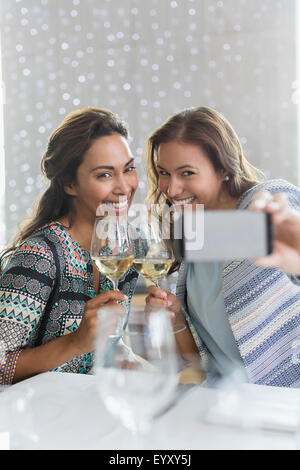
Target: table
<point>63,411</point>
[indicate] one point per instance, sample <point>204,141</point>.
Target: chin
<point>122,212</point>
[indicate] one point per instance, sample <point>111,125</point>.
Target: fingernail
<point>169,302</point>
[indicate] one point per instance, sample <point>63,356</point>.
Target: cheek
<point>134,181</point>
<point>194,186</point>
<point>99,190</point>
<point>208,190</point>
<point>163,185</point>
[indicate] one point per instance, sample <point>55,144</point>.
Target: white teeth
<point>183,201</point>
<point>118,205</point>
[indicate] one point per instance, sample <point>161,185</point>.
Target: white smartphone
<point>222,235</point>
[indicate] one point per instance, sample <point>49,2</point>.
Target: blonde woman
<point>242,317</point>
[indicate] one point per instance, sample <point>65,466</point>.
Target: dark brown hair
<point>66,148</point>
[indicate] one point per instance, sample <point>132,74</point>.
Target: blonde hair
<point>210,131</point>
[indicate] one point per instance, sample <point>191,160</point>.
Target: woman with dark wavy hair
<point>242,316</point>
<point>50,292</point>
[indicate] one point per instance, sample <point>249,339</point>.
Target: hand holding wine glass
<point>84,337</point>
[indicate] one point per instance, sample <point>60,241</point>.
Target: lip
<point>120,200</point>
<point>124,201</point>
<point>120,205</point>
<point>187,200</point>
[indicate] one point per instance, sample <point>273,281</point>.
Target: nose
<point>174,188</point>
<point>122,187</point>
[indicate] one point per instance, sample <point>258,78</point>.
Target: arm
<point>26,285</point>
<point>159,298</point>
<point>25,290</point>
<point>44,358</point>
<point>60,350</point>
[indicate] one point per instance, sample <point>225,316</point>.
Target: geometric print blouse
<point>43,291</point>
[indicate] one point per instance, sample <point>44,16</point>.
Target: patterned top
<point>262,307</point>
<point>43,291</point>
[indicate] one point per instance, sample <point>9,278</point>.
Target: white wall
<point>146,60</point>
<point>2,161</point>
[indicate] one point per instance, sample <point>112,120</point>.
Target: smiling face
<point>107,175</point>
<point>186,176</point>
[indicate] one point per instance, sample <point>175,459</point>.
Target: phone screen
<point>223,235</point>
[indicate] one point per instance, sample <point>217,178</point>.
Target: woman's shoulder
<point>44,241</point>
<point>33,252</point>
<point>273,186</point>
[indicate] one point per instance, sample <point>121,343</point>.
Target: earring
<point>226,178</point>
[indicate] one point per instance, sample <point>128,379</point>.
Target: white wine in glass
<point>153,256</point>
<point>154,269</point>
<point>113,267</point>
<point>111,248</point>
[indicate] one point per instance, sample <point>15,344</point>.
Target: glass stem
<point>121,319</point>
<point>140,434</point>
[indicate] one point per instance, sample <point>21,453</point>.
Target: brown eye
<point>130,169</point>
<point>103,175</point>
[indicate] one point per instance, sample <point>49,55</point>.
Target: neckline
<point>56,222</point>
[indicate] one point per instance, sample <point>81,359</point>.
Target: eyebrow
<point>107,167</point>
<point>180,167</point>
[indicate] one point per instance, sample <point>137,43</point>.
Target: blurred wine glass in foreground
<point>137,377</point>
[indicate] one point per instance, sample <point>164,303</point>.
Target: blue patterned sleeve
<point>25,287</point>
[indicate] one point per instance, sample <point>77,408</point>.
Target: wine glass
<point>153,256</point>
<point>111,250</point>
<point>139,380</point>
<point>111,247</point>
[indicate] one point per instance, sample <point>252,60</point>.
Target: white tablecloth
<point>64,411</point>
